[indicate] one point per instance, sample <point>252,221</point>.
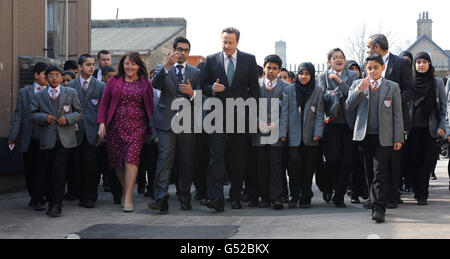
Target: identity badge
<point>67,108</point>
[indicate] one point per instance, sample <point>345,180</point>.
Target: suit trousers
<point>53,173</point>
<point>201,163</point>
<point>421,147</point>
<point>376,165</point>
<point>219,143</point>
<point>86,171</point>
<point>338,151</point>
<point>358,182</point>
<point>396,167</point>
<point>147,167</point>
<point>252,186</point>
<point>270,174</point>
<point>170,145</point>
<point>31,166</point>
<point>301,171</point>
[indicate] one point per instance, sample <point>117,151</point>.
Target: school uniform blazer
<point>390,112</point>
<point>21,129</point>
<point>334,94</point>
<point>68,106</point>
<point>278,93</point>
<point>313,118</point>
<point>436,122</point>
<point>168,84</point>
<point>111,97</point>
<point>90,103</point>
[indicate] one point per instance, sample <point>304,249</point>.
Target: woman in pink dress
<point>124,115</point>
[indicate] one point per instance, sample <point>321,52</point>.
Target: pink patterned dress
<point>126,132</point>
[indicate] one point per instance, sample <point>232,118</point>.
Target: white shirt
<point>99,75</point>
<point>226,61</point>
<point>88,81</point>
<point>386,62</point>
<point>334,72</point>
<point>58,91</point>
<point>183,70</point>
<point>36,87</point>
<point>266,83</point>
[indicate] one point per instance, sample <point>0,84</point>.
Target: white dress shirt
<point>267,85</point>
<point>99,75</point>
<point>37,86</point>
<point>386,62</point>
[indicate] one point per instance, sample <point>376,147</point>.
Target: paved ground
<point>321,221</point>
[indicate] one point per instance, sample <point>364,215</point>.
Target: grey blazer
<point>433,122</point>
<point>21,129</point>
<point>168,84</point>
<point>278,93</point>
<point>89,103</point>
<point>313,118</point>
<point>334,92</point>
<point>390,112</point>
<point>68,105</point>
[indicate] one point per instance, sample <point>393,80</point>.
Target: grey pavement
<point>17,221</point>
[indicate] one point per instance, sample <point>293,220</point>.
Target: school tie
<point>230,70</point>
<point>85,86</point>
<point>374,86</point>
<point>180,74</point>
<point>40,88</point>
<point>53,92</point>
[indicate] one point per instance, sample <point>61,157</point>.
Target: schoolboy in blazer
<point>378,129</point>
<point>24,136</point>
<point>55,111</point>
<point>90,92</point>
<point>301,125</point>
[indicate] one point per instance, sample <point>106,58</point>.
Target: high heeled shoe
<point>128,210</point>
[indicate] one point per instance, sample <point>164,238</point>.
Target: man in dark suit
<point>228,74</point>
<point>24,136</point>
<point>176,79</point>
<point>90,92</point>
<point>397,70</point>
<point>104,60</point>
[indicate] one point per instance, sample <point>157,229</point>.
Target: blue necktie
<point>180,74</point>
<point>230,70</point>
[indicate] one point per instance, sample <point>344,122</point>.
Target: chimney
<point>424,25</point>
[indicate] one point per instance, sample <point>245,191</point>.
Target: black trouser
<point>338,151</point>
<point>108,173</point>
<point>201,163</point>
<point>376,164</point>
<point>319,170</point>
<point>358,182</point>
<point>285,172</point>
<point>31,166</point>
<point>301,171</point>
<point>421,147</point>
<point>269,173</point>
<point>147,167</point>
<point>406,168</point>
<point>72,178</point>
<point>395,175</point>
<point>252,186</point>
<point>86,170</point>
<point>219,143</point>
<point>53,173</point>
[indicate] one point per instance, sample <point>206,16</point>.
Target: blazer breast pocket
<point>387,104</point>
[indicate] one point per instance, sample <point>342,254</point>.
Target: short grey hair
<point>381,40</point>
<point>231,30</point>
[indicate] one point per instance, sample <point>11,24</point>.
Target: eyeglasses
<point>337,58</point>
<point>179,49</point>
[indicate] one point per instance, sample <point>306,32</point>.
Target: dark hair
<point>83,58</point>
<point>106,70</point>
<point>52,68</point>
<point>136,58</point>
<point>330,54</point>
<point>381,40</point>
<point>70,64</point>
<point>375,57</point>
<point>70,73</point>
<point>181,39</point>
<point>291,75</point>
<point>39,67</point>
<point>273,59</point>
<point>102,52</point>
<point>284,70</point>
<point>232,30</point>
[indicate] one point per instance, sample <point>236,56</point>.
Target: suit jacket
<point>278,93</point>
<point>335,94</point>
<point>90,103</point>
<point>68,106</point>
<point>291,121</point>
<point>111,97</point>
<point>21,127</point>
<point>168,84</point>
<point>96,73</point>
<point>390,112</point>
<point>436,122</point>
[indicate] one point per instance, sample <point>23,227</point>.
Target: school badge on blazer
<point>387,103</point>
<point>95,102</point>
<point>66,108</point>
<point>313,109</point>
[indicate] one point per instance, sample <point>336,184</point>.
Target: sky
<point>310,28</point>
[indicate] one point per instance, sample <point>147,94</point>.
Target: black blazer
<point>96,73</point>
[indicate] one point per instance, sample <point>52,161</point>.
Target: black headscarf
<point>304,91</point>
<point>407,54</point>
<point>425,86</point>
<point>352,63</point>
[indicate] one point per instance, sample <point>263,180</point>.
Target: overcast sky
<point>310,28</point>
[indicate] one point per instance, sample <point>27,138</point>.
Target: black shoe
<point>378,217</point>
<point>148,193</point>
<point>40,206</point>
<point>355,200</point>
<point>236,205</point>
<point>203,202</point>
<point>422,202</point>
<point>71,197</point>
<point>32,203</point>
<point>55,211</point>
<point>327,197</point>
<point>264,204</point>
<point>217,205</point>
<point>89,205</point>
<point>186,205</point>
<point>391,205</point>
<point>253,204</point>
<point>158,205</point>
<point>293,204</point>
<point>284,199</point>
<point>141,188</point>
<point>278,205</point>
<point>364,197</point>
<point>305,205</point>
<point>367,205</point>
<point>82,204</point>
<point>339,205</point>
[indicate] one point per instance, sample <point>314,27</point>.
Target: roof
<point>425,37</point>
<point>143,35</point>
